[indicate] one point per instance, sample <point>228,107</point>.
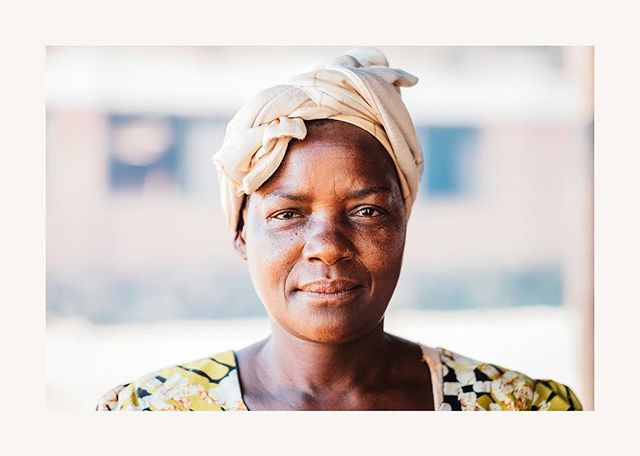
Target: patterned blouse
<point>459,383</point>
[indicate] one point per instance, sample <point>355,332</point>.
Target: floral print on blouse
<point>473,385</point>
<point>211,384</point>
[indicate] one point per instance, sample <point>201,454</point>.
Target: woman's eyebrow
<point>287,195</point>
<point>361,193</point>
<point>370,191</point>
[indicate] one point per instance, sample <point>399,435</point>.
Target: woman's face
<point>324,236</point>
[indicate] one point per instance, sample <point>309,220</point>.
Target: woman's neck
<point>285,359</point>
<point>375,372</point>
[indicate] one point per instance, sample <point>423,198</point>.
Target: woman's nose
<point>329,244</point>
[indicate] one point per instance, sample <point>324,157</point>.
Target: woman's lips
<point>328,286</point>
<point>329,290</point>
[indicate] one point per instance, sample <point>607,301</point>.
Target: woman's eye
<point>285,215</point>
<point>368,212</point>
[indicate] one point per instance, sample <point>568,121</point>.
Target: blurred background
<point>141,272</point>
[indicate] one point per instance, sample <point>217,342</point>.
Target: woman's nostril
<point>328,247</point>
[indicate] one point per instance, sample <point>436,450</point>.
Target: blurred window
<point>449,156</point>
<point>145,152</point>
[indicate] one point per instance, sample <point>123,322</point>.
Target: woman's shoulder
<point>469,384</point>
<point>205,384</point>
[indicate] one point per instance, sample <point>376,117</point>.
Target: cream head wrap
<point>357,87</point>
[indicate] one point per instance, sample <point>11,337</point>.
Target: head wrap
<point>357,87</point>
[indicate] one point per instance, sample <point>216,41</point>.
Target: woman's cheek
<point>386,241</point>
<point>383,253</point>
<point>275,254</point>
<point>281,244</point>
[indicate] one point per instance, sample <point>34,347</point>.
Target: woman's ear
<point>240,244</point>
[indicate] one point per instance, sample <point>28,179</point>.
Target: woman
<point>318,178</point>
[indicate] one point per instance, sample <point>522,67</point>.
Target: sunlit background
<point>141,272</point>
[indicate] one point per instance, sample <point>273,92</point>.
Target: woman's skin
<point>324,239</point>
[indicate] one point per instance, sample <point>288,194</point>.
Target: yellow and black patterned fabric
<point>211,384</point>
<point>206,384</point>
<point>473,385</point>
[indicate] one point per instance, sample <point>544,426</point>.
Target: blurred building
<point>134,228</point>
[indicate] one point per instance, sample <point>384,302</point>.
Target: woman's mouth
<point>329,290</point>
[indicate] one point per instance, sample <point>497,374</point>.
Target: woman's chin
<point>334,320</point>
<point>331,332</point>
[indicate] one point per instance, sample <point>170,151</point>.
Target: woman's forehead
<point>337,155</point>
